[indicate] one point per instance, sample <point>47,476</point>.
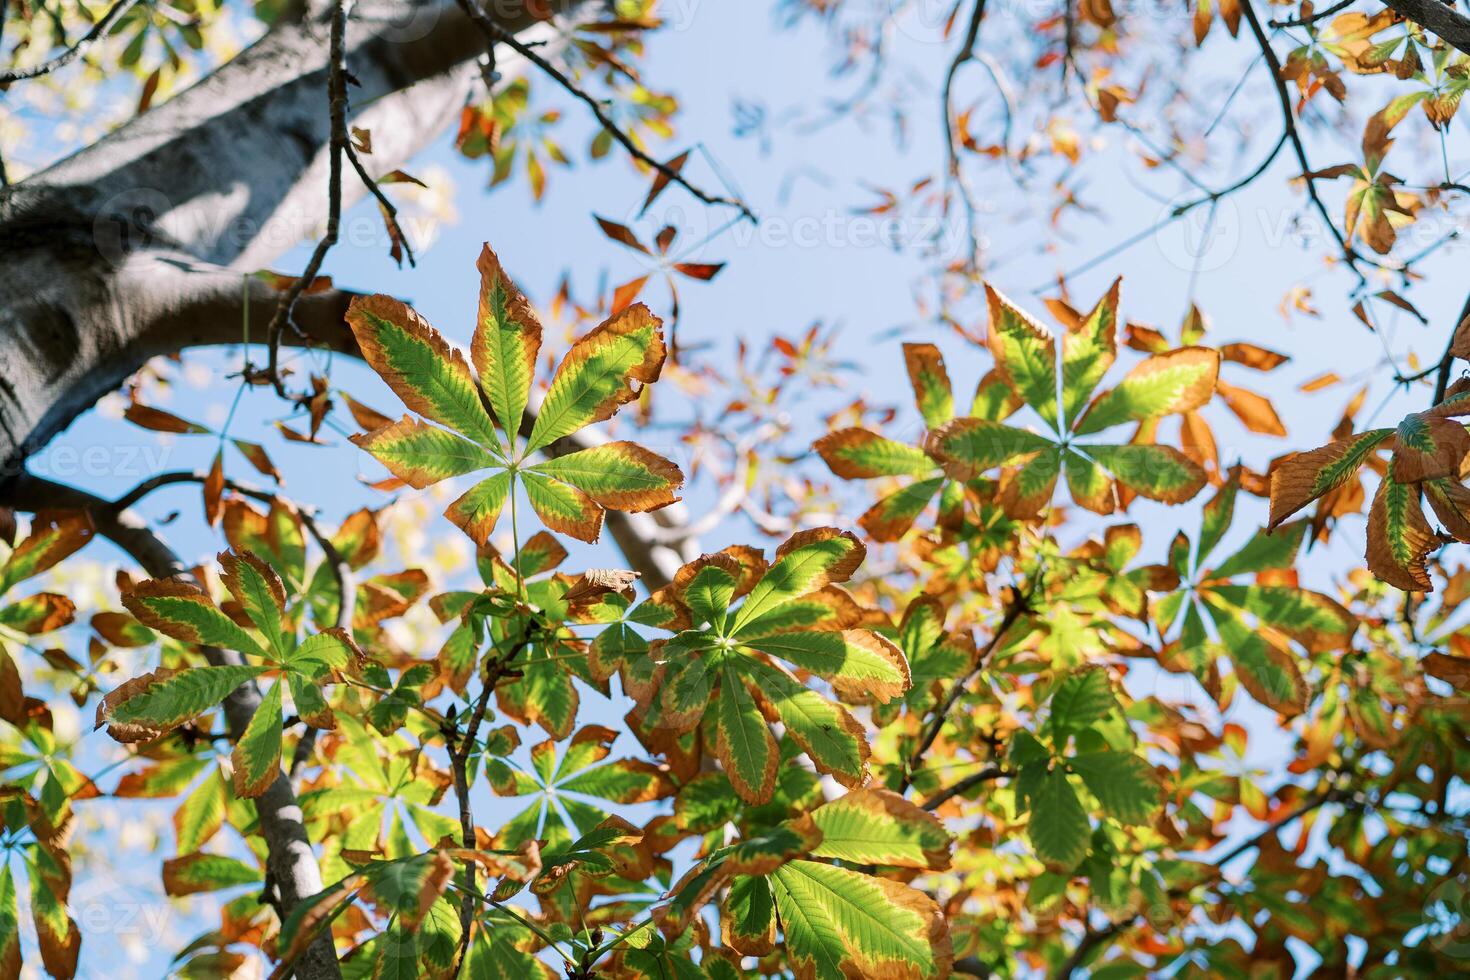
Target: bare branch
<point>97,33</point>
<point>1440,18</point>
<point>1288,119</point>
<point>493,32</point>
<point>291,864</point>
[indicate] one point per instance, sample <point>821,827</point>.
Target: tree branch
<point>1015,608</point>
<point>1288,119</point>
<point>96,34</point>
<point>493,32</point>
<point>290,863</point>
<point>1443,19</point>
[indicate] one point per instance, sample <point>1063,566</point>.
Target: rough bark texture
<point>134,247</point>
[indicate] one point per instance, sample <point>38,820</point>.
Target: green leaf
<point>859,454</point>
<point>562,507</point>
<point>1265,551</point>
<point>398,955</point>
<point>839,923</point>
<point>932,392</point>
<point>969,446</point>
<point>1081,699</point>
<point>51,539</point>
<point>1123,783</point>
<point>601,372</point>
<point>1267,671</point>
<point>258,590</point>
<point>163,705</point>
<point>1058,828</point>
<point>1216,518</point>
<point>476,511</point>
<point>331,649</point>
<point>202,813</point>
<point>709,593</point>
<point>891,516</point>
<point>748,919</point>
<point>807,561</point>
<point>831,737</point>
<point>257,755</point>
<point>743,742</point>
<point>9,925</point>
<point>620,475</point>
<point>506,341</point>
<point>179,610</point>
<point>861,665</point>
<point>430,377</point>
<point>1314,620</point>
<point>1088,483</point>
<point>1159,473</point>
<point>195,873</point>
<point>1179,381</point>
<point>422,455</point>
<point>875,826</point>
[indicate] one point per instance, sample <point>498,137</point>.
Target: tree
<point>906,743</point>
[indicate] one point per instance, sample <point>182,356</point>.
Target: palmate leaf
<point>1088,351</point>
<point>932,392</point>
<point>1304,477</point>
<point>1267,670</point>
<point>421,455</point>
<point>152,705</point>
<point>1160,473</point>
<point>1123,783</point>
<point>860,454</point>
<point>602,371</point>
<point>184,612</point>
<point>427,374</point>
<point>968,446</point>
<point>10,961</point>
<point>724,670</point>
<point>618,475</point>
<point>1058,825</point>
<point>875,826</point>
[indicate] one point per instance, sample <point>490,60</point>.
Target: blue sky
<point>813,259</point>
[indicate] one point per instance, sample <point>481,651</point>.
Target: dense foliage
<point>906,744</point>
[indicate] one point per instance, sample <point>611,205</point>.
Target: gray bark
<point>135,247</point>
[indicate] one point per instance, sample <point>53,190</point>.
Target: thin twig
<point>337,146</point>
<point>1018,605</point>
<point>494,671</point>
<point>97,33</point>
<point>954,172</point>
<point>1442,382</point>
<point>1288,119</point>
<point>1316,16</point>
<point>390,212</point>
<point>964,785</point>
<point>493,32</point>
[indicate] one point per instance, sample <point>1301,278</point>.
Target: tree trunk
<point>135,247</point>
